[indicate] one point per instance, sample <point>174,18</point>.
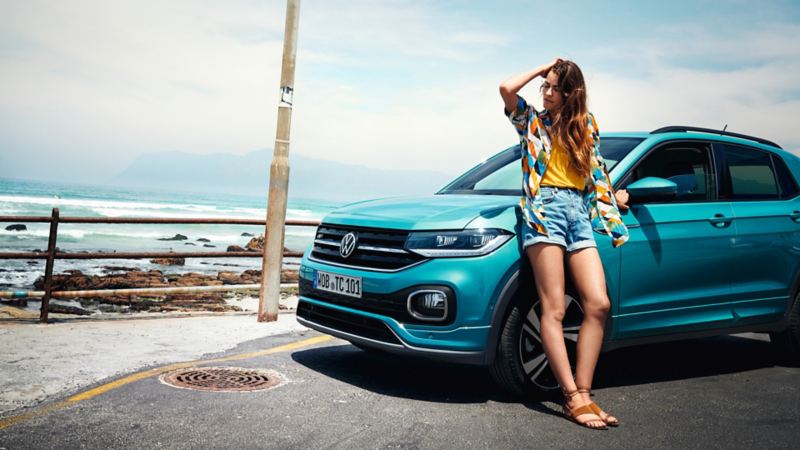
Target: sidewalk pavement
<point>41,361</point>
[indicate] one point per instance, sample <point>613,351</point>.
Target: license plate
<point>338,284</point>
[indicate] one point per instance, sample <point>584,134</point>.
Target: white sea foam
<point>10,204</point>
<point>93,203</point>
<point>20,279</point>
<point>44,232</point>
<point>141,237</point>
<point>223,237</point>
<point>136,212</point>
<point>81,233</point>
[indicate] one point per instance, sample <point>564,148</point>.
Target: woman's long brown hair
<point>570,126</point>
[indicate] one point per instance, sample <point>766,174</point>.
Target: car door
<point>675,270</point>
<point>765,203</point>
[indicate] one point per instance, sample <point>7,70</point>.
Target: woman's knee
<point>597,306</point>
<point>553,310</point>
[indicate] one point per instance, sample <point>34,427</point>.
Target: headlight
<point>443,244</point>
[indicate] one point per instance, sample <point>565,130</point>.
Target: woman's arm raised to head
<point>510,87</point>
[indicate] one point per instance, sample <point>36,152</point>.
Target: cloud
<point>108,80</point>
<point>86,86</point>
<point>750,86</point>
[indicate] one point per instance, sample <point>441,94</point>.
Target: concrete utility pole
<point>271,265</point>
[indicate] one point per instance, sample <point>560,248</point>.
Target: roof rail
<point>672,129</point>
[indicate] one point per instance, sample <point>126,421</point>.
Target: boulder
<point>290,276</point>
<point>203,240</point>
<point>246,235</point>
<point>169,261</point>
<point>256,244</point>
<point>135,278</point>
<point>234,248</point>
<point>72,280</point>
<point>253,276</point>
<point>196,279</point>
<point>209,246</point>
<point>189,243</point>
<point>228,277</point>
<point>177,237</point>
<point>118,268</point>
<point>66,309</point>
<point>16,227</point>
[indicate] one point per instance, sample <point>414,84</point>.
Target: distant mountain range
<point>249,174</point>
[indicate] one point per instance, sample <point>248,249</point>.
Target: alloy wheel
<point>534,361</point>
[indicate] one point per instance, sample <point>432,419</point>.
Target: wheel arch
<point>519,284</point>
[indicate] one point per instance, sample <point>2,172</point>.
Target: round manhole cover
<point>222,379</point>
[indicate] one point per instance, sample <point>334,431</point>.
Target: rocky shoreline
<point>130,278</point>
<point>122,277</point>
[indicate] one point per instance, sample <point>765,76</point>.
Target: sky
<point>86,86</point>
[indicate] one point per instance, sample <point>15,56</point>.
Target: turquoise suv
<point>714,249</point>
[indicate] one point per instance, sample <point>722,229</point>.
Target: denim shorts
<point>567,220</point>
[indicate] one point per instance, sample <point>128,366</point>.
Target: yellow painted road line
<point>94,392</point>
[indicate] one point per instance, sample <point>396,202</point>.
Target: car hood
<point>432,212</point>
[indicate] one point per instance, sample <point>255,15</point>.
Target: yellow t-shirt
<point>560,171</point>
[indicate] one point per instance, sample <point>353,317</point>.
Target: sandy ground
<point>38,361</point>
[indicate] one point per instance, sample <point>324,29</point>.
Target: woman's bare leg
<point>547,261</point>
<point>589,279</point>
<point>587,272</point>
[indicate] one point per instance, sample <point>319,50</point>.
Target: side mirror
<point>652,188</point>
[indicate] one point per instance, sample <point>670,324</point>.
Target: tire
<point>520,365</point>
<point>787,342</point>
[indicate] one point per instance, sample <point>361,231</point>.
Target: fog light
<point>429,304</point>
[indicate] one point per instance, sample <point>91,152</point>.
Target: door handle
<point>795,215</point>
<point>720,220</point>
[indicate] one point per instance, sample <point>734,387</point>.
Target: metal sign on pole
<point>272,262</point>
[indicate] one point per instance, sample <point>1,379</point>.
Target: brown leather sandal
<point>574,413</point>
<point>604,416</point>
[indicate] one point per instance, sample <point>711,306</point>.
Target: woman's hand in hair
<point>622,198</point>
<point>555,61</point>
<point>510,87</point>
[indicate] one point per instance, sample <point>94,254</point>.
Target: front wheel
<point>520,365</point>
<point>787,342</point>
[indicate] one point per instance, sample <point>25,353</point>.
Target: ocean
<point>37,198</point>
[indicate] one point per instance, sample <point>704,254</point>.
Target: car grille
<point>377,249</point>
<point>347,322</point>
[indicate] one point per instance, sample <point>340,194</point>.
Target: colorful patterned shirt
<point>535,152</point>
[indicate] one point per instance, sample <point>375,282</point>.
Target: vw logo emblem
<point>349,242</point>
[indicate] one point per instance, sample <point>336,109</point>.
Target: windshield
<point>502,175</point>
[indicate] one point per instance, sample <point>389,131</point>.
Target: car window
<point>751,173</point>
<point>614,149</point>
<point>506,177</point>
<point>786,181</point>
<point>687,165</point>
<point>502,173</point>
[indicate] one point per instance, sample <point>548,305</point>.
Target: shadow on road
<point>682,360</point>
<point>400,376</point>
<point>406,377</point>
<point>422,379</point>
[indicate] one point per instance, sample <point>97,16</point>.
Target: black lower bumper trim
<point>364,330</point>
<point>347,322</point>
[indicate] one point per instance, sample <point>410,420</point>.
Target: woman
<point>567,193</point>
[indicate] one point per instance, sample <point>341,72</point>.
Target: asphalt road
<point>722,392</point>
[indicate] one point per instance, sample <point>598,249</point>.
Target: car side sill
<point>752,328</point>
